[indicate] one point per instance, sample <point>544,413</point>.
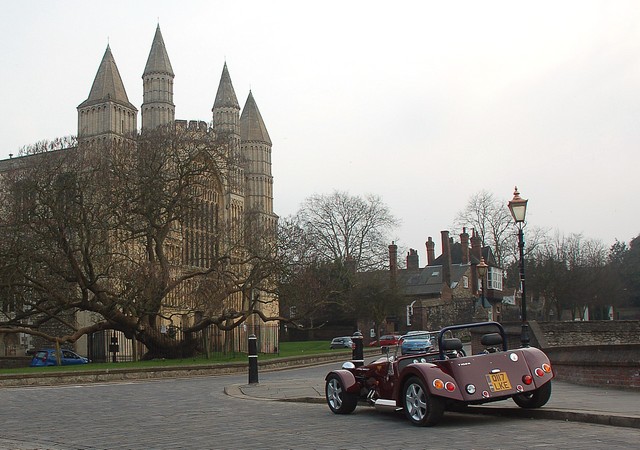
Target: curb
<point>610,419</point>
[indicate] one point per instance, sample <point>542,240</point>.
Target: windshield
<point>420,336</point>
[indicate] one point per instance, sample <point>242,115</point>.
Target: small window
<point>465,282</point>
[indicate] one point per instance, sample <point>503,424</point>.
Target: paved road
<point>196,414</point>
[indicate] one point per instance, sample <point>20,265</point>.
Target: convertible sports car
<point>425,385</point>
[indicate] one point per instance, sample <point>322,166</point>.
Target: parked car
<point>426,385</point>
<point>416,342</point>
<point>47,357</point>
<point>388,340</point>
<point>341,342</point>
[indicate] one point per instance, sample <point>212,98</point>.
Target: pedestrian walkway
<point>568,401</point>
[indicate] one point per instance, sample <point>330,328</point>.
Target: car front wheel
<point>420,407</point>
<point>339,400</point>
<point>534,399</point>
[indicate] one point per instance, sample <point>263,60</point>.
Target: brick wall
<point>616,366</point>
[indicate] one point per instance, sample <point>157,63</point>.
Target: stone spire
<point>107,84</point>
<point>107,110</point>
<point>226,110</point>
<point>158,61</point>
<point>157,107</point>
<point>252,126</point>
<point>226,96</point>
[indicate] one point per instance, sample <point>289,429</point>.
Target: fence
<point>211,341</point>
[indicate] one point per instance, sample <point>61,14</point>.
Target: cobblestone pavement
<point>195,413</point>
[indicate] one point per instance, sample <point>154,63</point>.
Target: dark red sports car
<point>425,385</point>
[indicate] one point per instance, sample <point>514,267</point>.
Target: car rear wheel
<point>339,400</point>
<point>420,407</point>
<point>534,399</point>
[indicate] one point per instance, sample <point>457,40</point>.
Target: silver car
<point>341,342</point>
<point>418,342</point>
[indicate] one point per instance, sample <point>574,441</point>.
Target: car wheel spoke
<point>334,392</point>
<point>416,403</point>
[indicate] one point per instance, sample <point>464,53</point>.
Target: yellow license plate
<point>498,382</point>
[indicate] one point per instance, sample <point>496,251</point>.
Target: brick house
<point>447,290</point>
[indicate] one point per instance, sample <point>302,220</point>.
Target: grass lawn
<point>287,349</point>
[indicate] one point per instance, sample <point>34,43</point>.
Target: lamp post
<point>481,267</point>
<point>518,208</point>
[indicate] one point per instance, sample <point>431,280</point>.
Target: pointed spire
<point>158,61</point>
<point>226,96</point>
<point>108,84</point>
<point>252,126</point>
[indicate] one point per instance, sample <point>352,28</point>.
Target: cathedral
<point>107,115</point>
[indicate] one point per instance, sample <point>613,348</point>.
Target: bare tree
<point>131,232</point>
<point>340,226</point>
<point>492,221</point>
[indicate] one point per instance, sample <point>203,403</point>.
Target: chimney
<point>393,263</point>
<point>431,254</point>
<point>446,258</point>
<point>476,245</point>
<point>350,264</point>
<point>476,252</point>
<point>464,243</point>
<point>413,261</point>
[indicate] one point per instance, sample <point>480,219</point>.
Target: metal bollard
<point>253,359</point>
<point>358,349</point>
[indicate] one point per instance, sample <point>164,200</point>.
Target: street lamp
<point>481,267</point>
<point>518,208</point>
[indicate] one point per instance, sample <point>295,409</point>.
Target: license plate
<point>498,382</point>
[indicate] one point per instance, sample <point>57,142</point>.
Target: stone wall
<point>591,353</point>
<point>597,332</point>
<point>435,314</point>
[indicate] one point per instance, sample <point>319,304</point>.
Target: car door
<point>70,358</point>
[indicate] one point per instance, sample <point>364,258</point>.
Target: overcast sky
<point>423,103</point>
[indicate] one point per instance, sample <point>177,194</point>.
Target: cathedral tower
<point>157,107</point>
<point>255,145</point>
<point>226,110</point>
<point>107,113</point>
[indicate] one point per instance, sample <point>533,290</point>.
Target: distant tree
<point>315,293</point>
<point>327,247</point>
<point>571,273</point>
<point>374,298</point>
<point>340,226</point>
<point>625,263</point>
<point>491,220</point>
